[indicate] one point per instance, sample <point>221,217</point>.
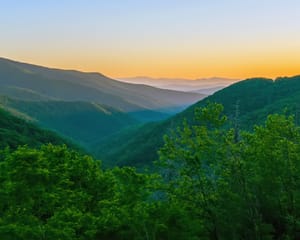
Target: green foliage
<point>42,189</point>
<point>246,189</point>
<point>210,186</point>
<point>56,193</point>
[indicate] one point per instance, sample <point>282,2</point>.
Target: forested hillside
<point>15,132</point>
<point>212,183</point>
<point>246,103</point>
<point>83,122</point>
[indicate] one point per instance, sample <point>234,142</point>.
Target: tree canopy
<point>209,185</point>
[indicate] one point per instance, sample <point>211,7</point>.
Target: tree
<point>56,193</point>
<point>190,158</point>
<point>274,151</point>
<point>245,189</point>
<point>47,187</point>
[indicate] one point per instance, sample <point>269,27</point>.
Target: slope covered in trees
<point>83,122</point>
<point>15,131</point>
<point>210,185</point>
<point>249,101</point>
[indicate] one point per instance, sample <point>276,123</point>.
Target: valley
<point>123,124</point>
<point>248,102</point>
<point>84,107</point>
<point>79,147</point>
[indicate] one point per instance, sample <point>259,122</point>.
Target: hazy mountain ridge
<point>70,85</point>
<point>212,84</point>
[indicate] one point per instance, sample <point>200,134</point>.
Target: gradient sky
<point>156,38</point>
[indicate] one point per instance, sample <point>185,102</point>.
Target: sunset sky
<point>156,38</point>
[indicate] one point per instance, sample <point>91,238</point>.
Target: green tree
<point>51,193</point>
<point>245,188</point>
<point>190,158</point>
<point>56,193</point>
<point>274,150</point>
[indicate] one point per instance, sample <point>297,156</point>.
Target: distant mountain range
<point>205,86</point>
<point>31,82</point>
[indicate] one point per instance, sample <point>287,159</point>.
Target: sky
<point>155,38</point>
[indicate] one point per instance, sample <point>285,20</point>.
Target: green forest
<point>252,100</point>
<point>212,181</point>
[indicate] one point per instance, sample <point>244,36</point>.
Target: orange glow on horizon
<point>238,66</point>
<point>170,39</point>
